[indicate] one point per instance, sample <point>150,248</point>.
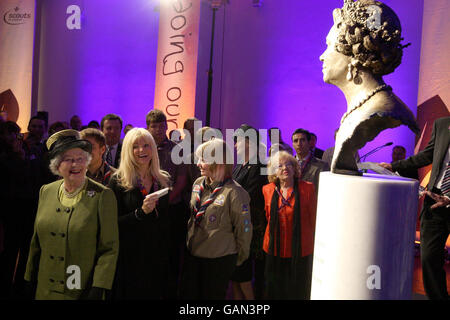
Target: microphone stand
<point>215,5</point>
<point>363,158</point>
<point>374,150</point>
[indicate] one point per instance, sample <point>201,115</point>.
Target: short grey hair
<point>56,161</point>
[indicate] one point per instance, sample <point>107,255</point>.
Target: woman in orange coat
<point>290,206</point>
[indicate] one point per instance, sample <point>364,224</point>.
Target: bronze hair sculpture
<point>363,46</point>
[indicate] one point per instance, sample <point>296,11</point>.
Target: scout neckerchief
<point>142,188</point>
<point>103,173</point>
<point>199,210</point>
<point>284,202</point>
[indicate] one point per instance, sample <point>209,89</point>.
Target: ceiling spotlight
<point>215,4</point>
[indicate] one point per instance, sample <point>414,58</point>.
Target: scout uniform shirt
<point>225,227</point>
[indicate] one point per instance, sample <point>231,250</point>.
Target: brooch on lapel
<point>90,193</point>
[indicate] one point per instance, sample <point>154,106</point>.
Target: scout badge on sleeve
<point>196,188</point>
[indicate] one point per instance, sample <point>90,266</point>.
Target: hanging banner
<point>16,59</point>
<point>176,66</point>
<point>434,66</point>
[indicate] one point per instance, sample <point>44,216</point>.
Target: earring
<point>349,72</point>
<point>357,79</point>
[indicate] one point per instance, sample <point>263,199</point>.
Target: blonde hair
<point>216,152</point>
<point>272,166</point>
<point>127,172</point>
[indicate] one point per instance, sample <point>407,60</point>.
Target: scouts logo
<point>220,200</point>
<point>212,218</point>
<point>16,16</point>
<point>245,209</point>
<point>91,193</point>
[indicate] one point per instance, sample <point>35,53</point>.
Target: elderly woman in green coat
<point>74,248</point>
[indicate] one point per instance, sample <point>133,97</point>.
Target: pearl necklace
<point>370,95</point>
<point>73,194</point>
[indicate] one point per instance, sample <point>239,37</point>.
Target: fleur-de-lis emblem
<point>91,193</point>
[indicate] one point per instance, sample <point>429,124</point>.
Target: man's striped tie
<point>109,156</point>
<point>445,187</point>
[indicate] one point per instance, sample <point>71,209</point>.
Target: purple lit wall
<point>272,74</point>
<point>108,66</point>
<point>266,65</point>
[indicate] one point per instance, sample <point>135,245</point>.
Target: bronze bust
<point>363,45</point>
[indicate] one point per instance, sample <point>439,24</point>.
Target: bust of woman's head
<point>369,32</point>
<point>363,45</point>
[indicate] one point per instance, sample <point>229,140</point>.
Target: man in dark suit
<point>399,153</point>
<point>310,166</point>
<point>247,173</point>
<point>318,153</point>
<point>435,215</point>
<point>111,126</point>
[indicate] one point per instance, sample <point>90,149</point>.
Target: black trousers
<point>252,269</point>
<point>260,278</point>
<point>205,278</point>
<point>280,279</point>
<point>18,231</point>
<point>434,231</point>
<point>178,218</point>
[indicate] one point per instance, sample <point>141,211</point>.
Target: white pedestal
<point>364,240</point>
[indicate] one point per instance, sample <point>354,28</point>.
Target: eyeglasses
<point>79,160</point>
<point>287,166</point>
